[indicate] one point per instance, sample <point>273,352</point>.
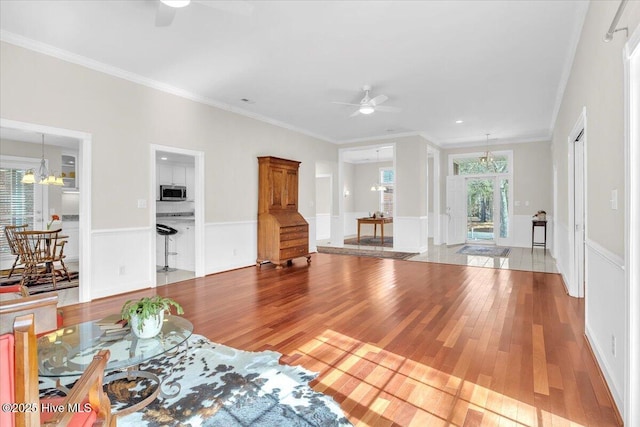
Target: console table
<point>375,221</point>
<point>534,224</point>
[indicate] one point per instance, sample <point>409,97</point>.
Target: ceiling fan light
<point>366,109</point>
<point>176,3</point>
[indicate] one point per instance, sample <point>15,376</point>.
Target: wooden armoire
<point>283,234</point>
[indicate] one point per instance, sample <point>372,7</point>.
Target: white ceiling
<point>500,66</point>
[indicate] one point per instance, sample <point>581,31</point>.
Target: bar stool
<point>166,231</point>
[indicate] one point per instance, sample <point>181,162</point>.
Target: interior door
<point>456,210</point>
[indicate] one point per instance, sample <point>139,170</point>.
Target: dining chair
<point>59,256</point>
<point>37,249</point>
<point>9,232</point>
<point>19,386</point>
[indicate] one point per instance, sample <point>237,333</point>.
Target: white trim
<point>84,184</point>
<point>605,253</point>
<point>437,175</point>
<point>118,230</point>
<point>231,223</point>
<point>199,202</point>
<point>575,289</point>
<point>631,59</point>
<point>83,61</point>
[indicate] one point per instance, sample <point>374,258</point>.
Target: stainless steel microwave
<point>173,193</point>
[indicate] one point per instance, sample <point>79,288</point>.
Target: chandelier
<point>43,177</point>
<point>378,186</point>
<point>487,158</point>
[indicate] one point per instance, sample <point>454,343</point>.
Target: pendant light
<point>378,186</point>
<point>43,177</point>
<point>487,158</point>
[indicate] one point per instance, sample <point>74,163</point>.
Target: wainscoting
<point>605,314</point>
<point>121,261</point>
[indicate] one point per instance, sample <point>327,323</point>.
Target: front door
<point>480,210</point>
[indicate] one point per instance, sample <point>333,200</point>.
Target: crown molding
<point>64,55</point>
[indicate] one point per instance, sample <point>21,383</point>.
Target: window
<point>388,180</point>
<point>16,202</point>
<point>473,165</point>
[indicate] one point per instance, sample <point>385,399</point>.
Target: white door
<point>578,210</point>
<point>456,210</point>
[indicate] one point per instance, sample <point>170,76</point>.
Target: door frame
<point>497,176</point>
<point>575,288</point>
<point>198,206</point>
<point>631,55</point>
<point>84,184</point>
<point>497,240</point>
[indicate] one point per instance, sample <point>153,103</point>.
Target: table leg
<point>375,230</point>
<point>359,223</point>
<point>382,233</point>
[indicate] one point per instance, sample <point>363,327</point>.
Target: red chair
<point>19,386</point>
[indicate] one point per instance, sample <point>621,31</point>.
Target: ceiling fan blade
<point>355,113</point>
<point>164,15</point>
<point>237,7</point>
<point>379,99</point>
<point>345,103</point>
<point>388,109</point>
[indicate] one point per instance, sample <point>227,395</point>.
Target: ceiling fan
<point>167,9</point>
<point>369,105</point>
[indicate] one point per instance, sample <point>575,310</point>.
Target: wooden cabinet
<point>283,234</point>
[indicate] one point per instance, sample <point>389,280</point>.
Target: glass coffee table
<point>67,352</point>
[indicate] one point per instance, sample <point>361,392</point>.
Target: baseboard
<point>616,411</point>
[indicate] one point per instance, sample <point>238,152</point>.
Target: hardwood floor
<point>407,343</point>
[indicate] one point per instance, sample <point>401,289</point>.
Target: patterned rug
<point>223,386</point>
<point>370,241</point>
<point>493,251</point>
<point>365,252</point>
<point>42,286</point>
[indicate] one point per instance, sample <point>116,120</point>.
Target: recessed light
<point>248,101</point>
<point>163,158</point>
<point>459,121</point>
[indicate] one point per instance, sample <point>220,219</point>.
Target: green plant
<point>148,307</point>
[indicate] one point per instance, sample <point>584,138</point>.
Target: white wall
<point>596,83</point>
<point>124,118</point>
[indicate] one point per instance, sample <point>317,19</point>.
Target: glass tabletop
<point>70,350</point>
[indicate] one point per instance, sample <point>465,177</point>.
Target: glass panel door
<point>480,210</point>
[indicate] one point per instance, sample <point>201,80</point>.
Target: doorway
<point>79,142</point>
<point>480,210</point>
<point>180,255</point>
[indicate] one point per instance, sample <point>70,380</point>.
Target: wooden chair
<point>58,256</point>
<point>44,307</point>
<point>19,385</point>
<point>19,290</point>
<point>37,251</point>
<point>9,232</point>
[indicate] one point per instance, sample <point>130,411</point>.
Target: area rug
<point>224,386</point>
<point>492,251</point>
<point>45,285</point>
<point>365,252</point>
<point>370,241</point>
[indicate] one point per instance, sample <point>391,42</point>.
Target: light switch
<point>614,199</point>
<point>526,203</point>
<point>142,203</point>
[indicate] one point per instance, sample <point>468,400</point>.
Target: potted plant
<point>147,314</point>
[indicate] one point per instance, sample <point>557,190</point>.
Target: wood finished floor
<point>407,343</point>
